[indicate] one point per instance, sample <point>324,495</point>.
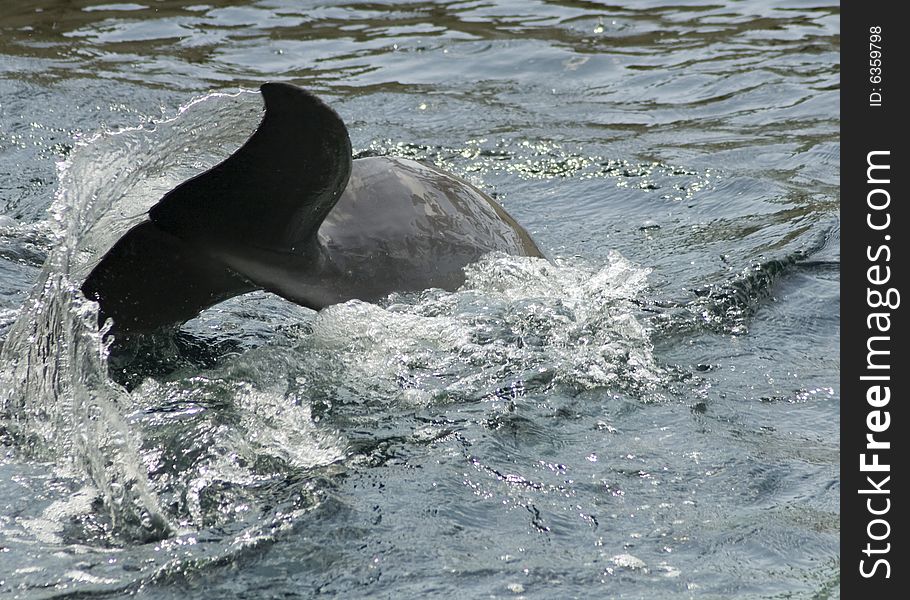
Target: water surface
<point>651,414</point>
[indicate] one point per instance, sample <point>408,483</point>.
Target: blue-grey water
<point>652,414</point>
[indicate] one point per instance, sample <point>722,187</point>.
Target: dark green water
<point>653,415</point>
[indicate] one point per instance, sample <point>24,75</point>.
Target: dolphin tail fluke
<point>273,192</point>
<point>151,280</point>
<point>271,195</point>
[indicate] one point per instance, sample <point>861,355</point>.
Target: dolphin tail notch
<point>273,193</point>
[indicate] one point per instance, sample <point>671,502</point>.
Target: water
<point>651,414</point>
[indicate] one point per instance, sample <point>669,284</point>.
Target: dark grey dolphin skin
<point>290,212</point>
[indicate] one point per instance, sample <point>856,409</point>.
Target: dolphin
<point>292,213</point>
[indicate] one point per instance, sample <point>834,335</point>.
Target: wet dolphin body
<point>290,212</point>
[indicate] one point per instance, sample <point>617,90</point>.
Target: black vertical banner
<point>875,225</point>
